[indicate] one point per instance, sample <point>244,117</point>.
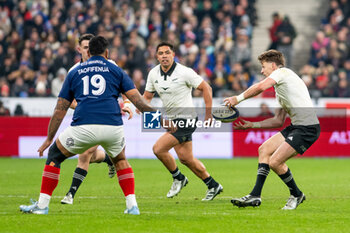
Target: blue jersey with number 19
<point>96,85</point>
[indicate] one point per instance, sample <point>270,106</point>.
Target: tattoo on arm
<point>139,102</point>
<point>57,117</point>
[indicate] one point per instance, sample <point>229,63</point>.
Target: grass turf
<point>99,203</point>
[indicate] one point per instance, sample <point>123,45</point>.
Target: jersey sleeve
<point>66,91</point>
<point>192,79</point>
<point>149,84</point>
<point>127,84</point>
<point>276,75</point>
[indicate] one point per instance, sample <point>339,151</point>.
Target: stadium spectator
<point>286,34</point>
<point>241,51</point>
<point>139,81</point>
<point>19,88</point>
<point>57,82</point>
<point>273,29</point>
<point>26,73</point>
<point>8,67</point>
<point>19,111</point>
<point>136,59</point>
<point>342,90</point>
<point>3,110</point>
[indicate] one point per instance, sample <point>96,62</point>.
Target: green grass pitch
<point>99,203</point>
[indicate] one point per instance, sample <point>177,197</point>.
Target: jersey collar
<point>97,57</point>
<point>170,71</point>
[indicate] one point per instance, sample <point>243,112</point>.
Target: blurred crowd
<point>38,40</point>
<point>328,71</point>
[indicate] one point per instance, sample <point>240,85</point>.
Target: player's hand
<point>231,101</point>
<point>137,111</point>
<point>209,117</point>
<point>243,124</point>
<point>168,125</point>
<point>44,146</point>
<point>128,111</point>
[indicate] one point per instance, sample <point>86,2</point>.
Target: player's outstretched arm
<point>148,96</point>
<point>140,103</point>
<point>55,122</point>
<point>273,122</point>
<point>208,98</point>
<point>252,91</point>
<point>143,106</point>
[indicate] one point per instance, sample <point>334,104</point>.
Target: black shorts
<point>301,137</point>
<point>183,134</point>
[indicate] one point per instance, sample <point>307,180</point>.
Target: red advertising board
<point>11,128</point>
<point>334,139</point>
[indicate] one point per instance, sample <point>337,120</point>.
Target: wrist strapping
<point>127,103</point>
<point>240,97</point>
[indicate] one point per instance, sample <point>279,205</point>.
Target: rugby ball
<point>225,114</point>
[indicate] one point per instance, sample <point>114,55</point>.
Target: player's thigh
<point>184,151</point>
<point>112,139</point>
<point>165,143</point>
<point>87,155</point>
<point>271,145</point>
<point>282,154</point>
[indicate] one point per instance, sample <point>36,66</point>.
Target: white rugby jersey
<point>293,96</point>
<point>175,89</point>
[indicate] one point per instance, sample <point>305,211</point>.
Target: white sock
<point>130,201</point>
<point>44,200</point>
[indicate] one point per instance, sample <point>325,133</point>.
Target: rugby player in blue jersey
<point>92,155</point>
<point>96,85</point>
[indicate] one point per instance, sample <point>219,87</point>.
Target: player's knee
<point>55,156</point>
<point>264,150</point>
<point>156,149</point>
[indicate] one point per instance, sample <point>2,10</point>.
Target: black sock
<point>78,177</point>
<point>177,174</point>
<point>263,172</point>
<point>210,182</point>
<point>107,160</point>
<point>289,181</point>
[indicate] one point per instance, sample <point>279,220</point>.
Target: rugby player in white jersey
<point>92,155</point>
<point>95,85</point>
<point>174,82</point>
<point>294,99</point>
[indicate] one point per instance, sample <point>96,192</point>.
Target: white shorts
<point>77,139</point>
